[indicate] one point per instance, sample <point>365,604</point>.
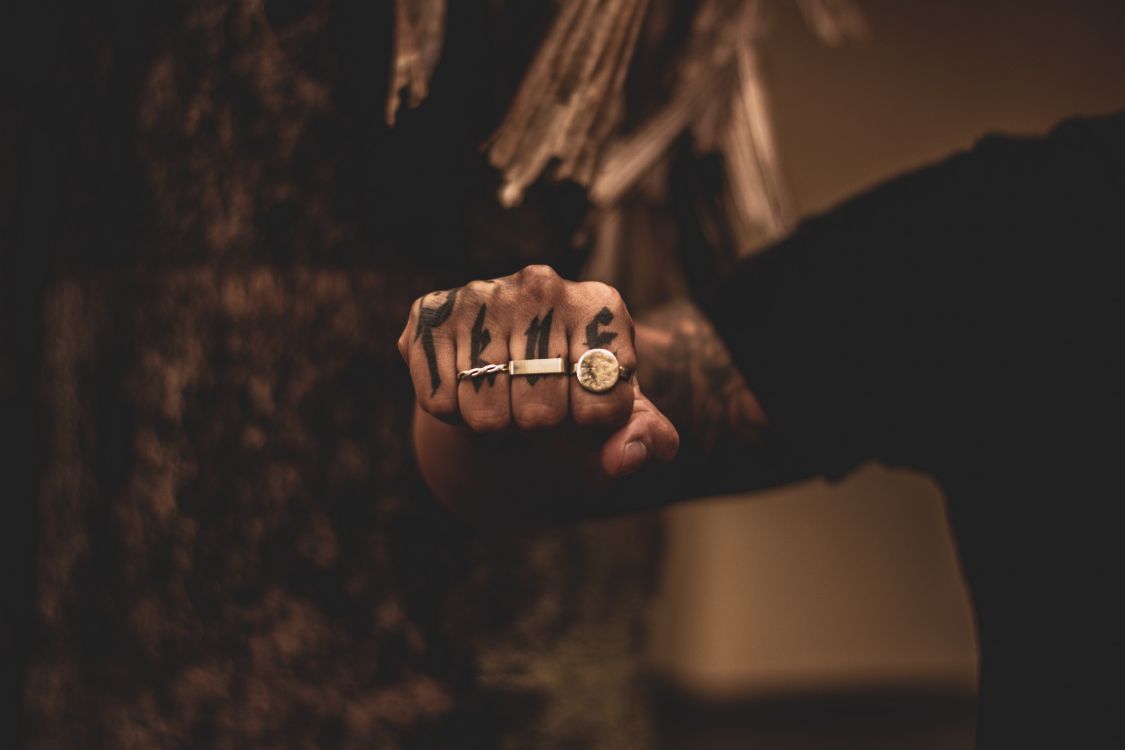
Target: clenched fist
<point>536,321</point>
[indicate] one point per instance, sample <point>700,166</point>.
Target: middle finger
<point>539,401</point>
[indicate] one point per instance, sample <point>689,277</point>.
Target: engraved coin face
<point>597,370</point>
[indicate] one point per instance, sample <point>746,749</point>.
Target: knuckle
<point>476,292</point>
<point>487,420</point>
<point>540,281</point>
<point>440,404</point>
<point>411,322</point>
<point>594,413</point>
<point>537,271</point>
<point>603,294</point>
<point>538,416</point>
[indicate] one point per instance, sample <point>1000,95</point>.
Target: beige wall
<point>930,79</point>
<point>822,586</point>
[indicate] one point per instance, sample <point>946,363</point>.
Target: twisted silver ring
<point>480,372</point>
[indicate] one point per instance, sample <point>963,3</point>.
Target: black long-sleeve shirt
<point>966,320</point>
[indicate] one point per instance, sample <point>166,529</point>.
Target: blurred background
<point>853,589</point>
<point>211,236</point>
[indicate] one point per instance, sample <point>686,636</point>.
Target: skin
<point>502,450</point>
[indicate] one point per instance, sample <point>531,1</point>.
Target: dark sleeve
<point>910,324</point>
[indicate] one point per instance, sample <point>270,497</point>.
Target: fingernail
<point>632,457</point>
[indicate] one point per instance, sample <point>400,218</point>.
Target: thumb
<point>647,436</point>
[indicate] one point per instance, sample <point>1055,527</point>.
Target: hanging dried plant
<point>419,31</point>
<point>721,98</point>
<point>833,21</point>
<point>566,111</point>
<point>703,79</point>
<point>757,200</point>
<point>571,98</point>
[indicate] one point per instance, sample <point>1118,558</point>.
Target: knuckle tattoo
<point>538,335</point>
<point>479,339</point>
<point>610,319</point>
<point>597,336</point>
<point>434,312</point>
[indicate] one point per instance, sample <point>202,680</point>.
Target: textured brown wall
<point>229,543</point>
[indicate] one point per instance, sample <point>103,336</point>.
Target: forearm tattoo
<point>538,339</point>
<point>689,375</point>
<point>479,339</point>
<point>429,318</point>
<point>600,339</point>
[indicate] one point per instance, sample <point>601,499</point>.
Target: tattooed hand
<point>533,314</point>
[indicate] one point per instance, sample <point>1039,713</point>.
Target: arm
<point>889,328</point>
<point>727,443</point>
<point>689,375</point>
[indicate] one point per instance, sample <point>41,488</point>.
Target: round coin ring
<point>597,370</point>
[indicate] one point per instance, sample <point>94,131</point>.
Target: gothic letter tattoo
<point>691,378</point>
<point>430,318</point>
<point>479,339</point>
<point>538,336</point>
<point>596,339</point>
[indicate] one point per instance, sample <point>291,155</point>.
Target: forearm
<point>727,444</point>
<point>687,372</point>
